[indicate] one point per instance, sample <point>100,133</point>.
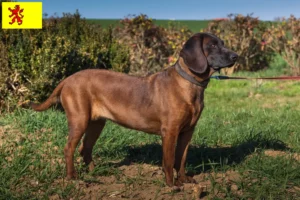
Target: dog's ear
<point>192,54</point>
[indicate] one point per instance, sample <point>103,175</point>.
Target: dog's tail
<point>52,99</point>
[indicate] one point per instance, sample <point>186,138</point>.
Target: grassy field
<point>193,25</point>
<point>245,146</point>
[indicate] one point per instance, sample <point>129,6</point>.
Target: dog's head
<point>204,50</point>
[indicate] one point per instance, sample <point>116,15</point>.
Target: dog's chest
<point>196,109</point>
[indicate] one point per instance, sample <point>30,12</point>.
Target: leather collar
<point>188,77</point>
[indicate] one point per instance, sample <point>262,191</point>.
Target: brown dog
<point>168,103</point>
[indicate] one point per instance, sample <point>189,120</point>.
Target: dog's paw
<point>178,183</point>
<point>190,179</point>
<point>173,189</point>
<point>72,176</point>
<point>91,166</point>
<point>185,179</point>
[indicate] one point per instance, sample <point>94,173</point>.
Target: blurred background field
<point>193,25</point>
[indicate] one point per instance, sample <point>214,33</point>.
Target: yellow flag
<point>22,15</point>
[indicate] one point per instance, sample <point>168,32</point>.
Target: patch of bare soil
<point>144,181</point>
<point>275,153</point>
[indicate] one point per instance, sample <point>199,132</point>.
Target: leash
<point>252,78</point>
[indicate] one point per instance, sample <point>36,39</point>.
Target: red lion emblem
<point>15,14</point>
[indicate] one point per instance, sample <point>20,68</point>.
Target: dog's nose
<point>234,57</point>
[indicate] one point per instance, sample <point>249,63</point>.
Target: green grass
<point>104,22</point>
<point>193,25</point>
<point>241,121</point>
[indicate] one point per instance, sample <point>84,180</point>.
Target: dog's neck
<point>200,80</point>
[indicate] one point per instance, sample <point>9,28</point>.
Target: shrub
<point>284,38</point>
<point>151,47</point>
<point>4,87</point>
<point>243,34</point>
<point>37,60</point>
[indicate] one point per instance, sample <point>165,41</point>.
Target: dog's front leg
<point>183,142</point>
<point>169,139</point>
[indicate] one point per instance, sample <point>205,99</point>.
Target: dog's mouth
<point>226,66</point>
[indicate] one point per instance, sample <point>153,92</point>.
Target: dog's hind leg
<point>78,121</point>
<point>76,131</point>
<point>92,133</point>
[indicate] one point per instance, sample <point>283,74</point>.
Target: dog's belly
<point>128,117</point>
<point>151,127</point>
